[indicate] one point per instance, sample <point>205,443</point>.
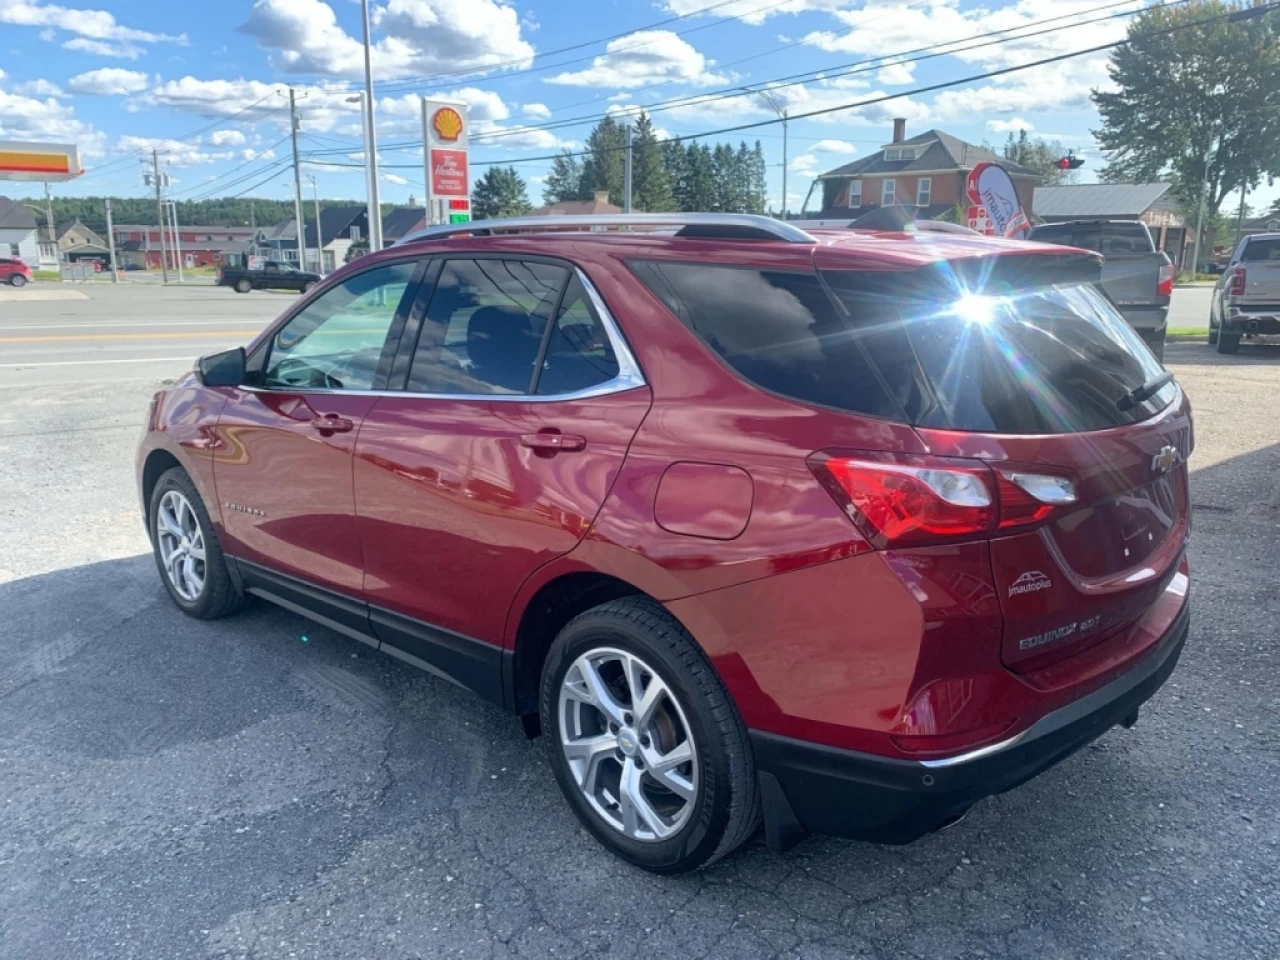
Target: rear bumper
<point>1148,321</point>
<point>810,788</point>
<point>1263,321</point>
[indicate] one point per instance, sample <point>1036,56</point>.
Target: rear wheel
<point>18,280</point>
<point>646,745</point>
<point>187,551</point>
<point>1228,342</point>
<point>243,286</point>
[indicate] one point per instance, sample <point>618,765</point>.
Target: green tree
<point>564,182</point>
<point>603,167</point>
<point>650,179</point>
<point>730,182</point>
<point>701,195</point>
<point>499,193</point>
<point>1211,91</point>
<point>1040,155</point>
<point>757,180</point>
<point>675,159</point>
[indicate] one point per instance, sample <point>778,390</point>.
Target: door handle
<point>332,423</point>
<point>553,442</point>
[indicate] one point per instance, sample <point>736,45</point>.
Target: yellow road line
<point>132,336</point>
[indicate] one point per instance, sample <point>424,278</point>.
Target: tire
<point>1157,348</point>
<point>217,595</point>
<point>1228,342</point>
<point>631,637</point>
<point>306,287</point>
<point>1213,335</point>
<point>18,280</point>
<point>243,286</point>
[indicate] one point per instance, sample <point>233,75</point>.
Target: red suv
<point>14,272</point>
<point>841,531</point>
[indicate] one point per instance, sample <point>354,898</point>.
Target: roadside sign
<point>995,208</point>
<point>445,128</point>
<point>39,162</point>
<point>257,262</point>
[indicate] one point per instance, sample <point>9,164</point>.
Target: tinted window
<point>777,329</point>
<point>1113,238</point>
<point>579,354</point>
<point>1039,359</point>
<point>335,342</point>
<point>1059,233</point>
<point>1259,250</point>
<point>484,327</point>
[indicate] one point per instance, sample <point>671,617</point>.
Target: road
<point>1190,306</point>
<point>260,787</point>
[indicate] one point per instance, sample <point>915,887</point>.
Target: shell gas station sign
<point>39,162</point>
<point>444,127</point>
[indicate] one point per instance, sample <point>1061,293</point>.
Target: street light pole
<point>371,139</point>
<point>776,104</point>
<point>368,192</point>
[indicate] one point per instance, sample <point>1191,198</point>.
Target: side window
<point>272,268</point>
<point>484,327</point>
<point>335,342</point>
<point>579,354</point>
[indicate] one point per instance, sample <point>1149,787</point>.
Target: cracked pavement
<point>260,787</point>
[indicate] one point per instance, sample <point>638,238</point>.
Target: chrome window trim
<point>629,375</point>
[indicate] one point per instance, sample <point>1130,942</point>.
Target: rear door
<point>518,409</point>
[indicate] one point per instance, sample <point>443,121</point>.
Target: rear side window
<point>777,329</point>
<point>1256,251</point>
<point>579,354</point>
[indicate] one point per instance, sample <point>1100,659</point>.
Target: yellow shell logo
<point>447,123</point>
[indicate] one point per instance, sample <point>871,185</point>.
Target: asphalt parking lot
<point>261,787</point>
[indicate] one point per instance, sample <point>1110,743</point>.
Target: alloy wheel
<point>628,744</point>
<point>181,543</point>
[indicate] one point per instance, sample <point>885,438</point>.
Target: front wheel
<point>646,745</point>
<point>18,280</point>
<point>243,286</point>
<point>187,551</point>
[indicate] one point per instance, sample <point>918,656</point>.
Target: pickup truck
<point>274,275</point>
<point>1137,277</point>
<point>1246,298</point>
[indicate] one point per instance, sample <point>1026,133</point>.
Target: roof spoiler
<point>894,219</point>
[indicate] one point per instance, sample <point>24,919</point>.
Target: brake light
<point>906,499</point>
<point>1164,286</point>
<point>1237,283</point>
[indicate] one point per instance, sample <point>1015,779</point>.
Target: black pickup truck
<point>274,275</point>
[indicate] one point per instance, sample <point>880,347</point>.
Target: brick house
<point>138,245</point>
<point>927,172</point>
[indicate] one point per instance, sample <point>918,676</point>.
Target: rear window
<point>1256,251</point>
<point>1111,239</point>
<point>1025,355</point>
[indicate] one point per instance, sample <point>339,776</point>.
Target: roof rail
<point>721,226</point>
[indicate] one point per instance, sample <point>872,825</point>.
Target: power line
<point>239,166</point>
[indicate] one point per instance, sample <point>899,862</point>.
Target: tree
<point>603,168</point>
<point>757,180</point>
<point>499,193</point>
<point>1211,91</point>
<point>701,195</point>
<point>650,179</point>
<point>1040,155</point>
<point>564,182</point>
<point>675,159</point>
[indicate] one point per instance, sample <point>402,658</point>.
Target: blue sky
<point>204,82</point>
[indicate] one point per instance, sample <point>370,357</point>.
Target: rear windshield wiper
<point>1144,392</point>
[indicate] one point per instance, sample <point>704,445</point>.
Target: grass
<point>46,275</point>
<point>1197,278</point>
<point>1188,331</point>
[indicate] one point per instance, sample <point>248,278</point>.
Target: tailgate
<point>1261,285</point>
<point>1131,281</point>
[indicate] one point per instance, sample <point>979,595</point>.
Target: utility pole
<point>315,198</point>
<point>1204,191</point>
<point>111,244</point>
<point>48,212</point>
<point>155,177</point>
<point>297,185</point>
<point>371,142</point>
<point>177,241</point>
<point>253,227</point>
<point>1244,192</point>
<point>626,175</point>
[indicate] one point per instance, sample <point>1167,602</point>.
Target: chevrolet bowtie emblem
<point>1166,459</point>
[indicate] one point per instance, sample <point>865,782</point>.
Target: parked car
<point>1135,275</point>
<point>274,275</point>
<point>14,272</point>
<point>838,532</point>
<point>1246,298</point>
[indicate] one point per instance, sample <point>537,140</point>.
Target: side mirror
<point>224,369</point>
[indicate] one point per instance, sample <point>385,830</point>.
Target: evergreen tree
<point>675,159</point>
<point>729,180</point>
<point>564,182</point>
<point>499,193</point>
<point>650,180</point>
<point>603,168</point>
<point>700,189</point>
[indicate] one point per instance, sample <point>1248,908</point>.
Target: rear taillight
<point>1164,286</point>
<point>899,500</point>
<point>1236,288</point>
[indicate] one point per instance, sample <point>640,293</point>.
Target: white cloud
<point>806,165</point>
<point>176,153</point>
<point>248,153</point>
<point>827,94</point>
<point>37,88</point>
<point>94,24</point>
<point>643,59</point>
<point>753,11</point>
<point>833,146</point>
<point>1009,126</point>
<point>539,111</point>
<point>30,118</point>
<point>226,138</point>
<point>896,74</point>
<point>102,48</point>
<point>419,36</point>
<point>108,81</point>
<point>395,178</point>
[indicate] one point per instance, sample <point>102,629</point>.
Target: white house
<point>18,233</point>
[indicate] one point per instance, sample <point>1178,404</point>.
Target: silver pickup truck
<point>1137,277</point>
<point>1246,300</point>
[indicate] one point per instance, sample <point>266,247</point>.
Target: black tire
<point>1213,336</point>
<point>18,280</point>
<point>1228,342</point>
<point>243,286</point>
<point>306,287</point>
<point>219,596</point>
<point>726,805</point>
